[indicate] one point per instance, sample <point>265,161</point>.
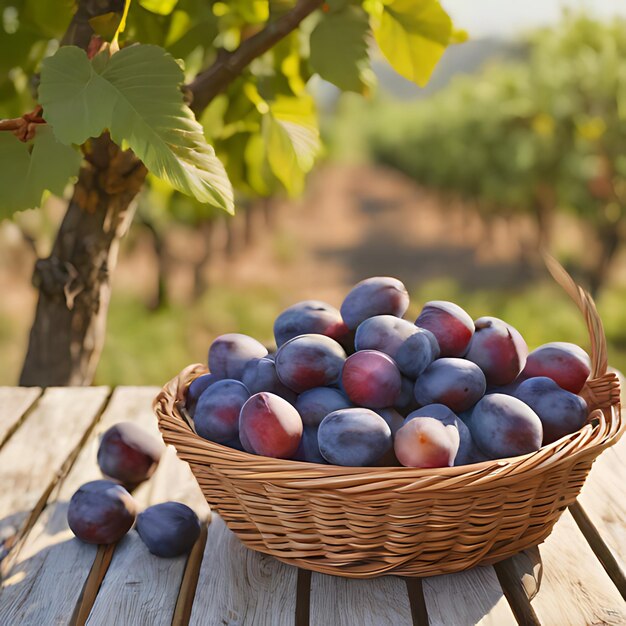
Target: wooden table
<point>48,443</point>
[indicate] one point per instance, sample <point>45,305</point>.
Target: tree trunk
<point>74,281</point>
<point>160,299</point>
<point>199,281</point>
<point>610,240</point>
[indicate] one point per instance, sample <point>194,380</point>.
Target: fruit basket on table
<point>364,522</point>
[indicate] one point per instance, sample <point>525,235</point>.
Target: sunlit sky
<point>508,17</point>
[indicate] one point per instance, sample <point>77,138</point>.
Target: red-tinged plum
<point>101,512</point>
<point>384,333</point>
<point>504,426</point>
<point>168,529</point>
<point>354,437</point>
<point>426,442</point>
<point>371,379</point>
<point>417,352</point>
<point>457,383</point>
<point>309,361</point>
<point>309,449</point>
<point>406,400</point>
<point>451,325</point>
<point>498,349</point>
<point>129,454</point>
<point>394,420</point>
<point>195,389</point>
<point>315,404</point>
<point>270,426</point>
<point>260,375</point>
<point>229,354</point>
<point>467,452</point>
<point>380,295</point>
<point>217,411</point>
<point>566,364</point>
<point>561,412</point>
<point>311,317</point>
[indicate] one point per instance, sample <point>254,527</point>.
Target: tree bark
<point>74,281</point>
<point>74,286</point>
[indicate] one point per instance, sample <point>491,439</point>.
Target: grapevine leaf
<point>135,95</point>
<point>292,140</point>
<point>413,34</point>
<point>339,49</point>
<point>29,169</point>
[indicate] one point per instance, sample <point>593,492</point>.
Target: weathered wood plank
<point>240,586</point>
<point>575,590</point>
<point>603,500</point>
<point>467,599</point>
<point>138,585</point>
<point>348,602</point>
<point>46,573</point>
<point>14,403</point>
<point>41,452</point>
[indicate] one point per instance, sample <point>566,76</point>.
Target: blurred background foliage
<point>516,144</point>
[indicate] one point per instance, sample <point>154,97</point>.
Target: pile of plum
<point>103,511</point>
<point>361,386</point>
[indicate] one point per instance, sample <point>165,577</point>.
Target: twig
<point>228,66</point>
<point>24,127</point>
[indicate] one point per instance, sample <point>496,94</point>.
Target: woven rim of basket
<point>603,428</point>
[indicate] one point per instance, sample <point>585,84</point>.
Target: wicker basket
<point>365,522</point>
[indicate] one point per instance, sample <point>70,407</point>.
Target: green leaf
<point>413,34</point>
<point>339,48</point>
<point>29,169</point>
<point>160,7</point>
<point>292,140</point>
<point>135,94</point>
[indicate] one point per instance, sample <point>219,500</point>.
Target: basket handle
<point>584,301</point>
<point>602,389</point>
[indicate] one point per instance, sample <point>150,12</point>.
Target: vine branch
<point>209,83</point>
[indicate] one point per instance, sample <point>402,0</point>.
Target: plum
<point>129,454</point>
<point>467,452</point>
<point>498,349</point>
<point>566,364</point>
<point>229,354</point>
<point>451,325</point>
<point>405,402</point>
<point>457,383</point>
<point>311,317</point>
<point>168,529</point>
<point>561,412</point>
<point>371,379</point>
<point>504,426</point>
<point>309,449</point>
<point>315,404</point>
<point>394,420</point>
<point>217,411</point>
<point>260,375</point>
<point>417,352</point>
<point>384,333</point>
<point>426,442</point>
<point>101,512</point>
<point>309,361</point>
<point>270,426</point>
<point>195,389</point>
<point>380,295</point>
<point>354,437</point>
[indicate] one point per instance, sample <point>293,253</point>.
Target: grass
<point>149,348</point>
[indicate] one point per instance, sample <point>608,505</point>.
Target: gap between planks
<point>16,404</point>
<point>29,443</point>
